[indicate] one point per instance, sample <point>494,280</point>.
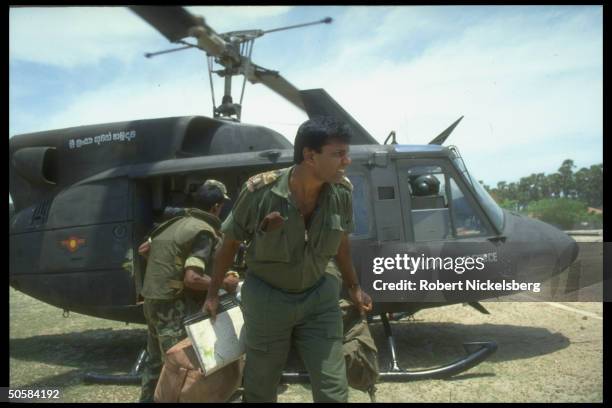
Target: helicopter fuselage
<point>85,198</point>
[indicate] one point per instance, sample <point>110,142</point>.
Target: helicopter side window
<point>360,205</point>
<point>467,223</point>
<point>429,203</point>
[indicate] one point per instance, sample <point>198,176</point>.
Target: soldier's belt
<point>289,292</point>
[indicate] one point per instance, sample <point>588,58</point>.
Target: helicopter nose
<point>565,246</point>
<point>549,249</point>
<point>568,252</point>
<point>575,252</point>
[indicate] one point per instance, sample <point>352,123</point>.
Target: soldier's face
<point>217,208</point>
<point>331,163</point>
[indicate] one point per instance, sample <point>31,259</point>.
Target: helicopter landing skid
<point>477,353</point>
<point>134,376</point>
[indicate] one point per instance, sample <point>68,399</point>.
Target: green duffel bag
<point>360,352</point>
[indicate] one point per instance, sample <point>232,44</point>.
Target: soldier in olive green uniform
<point>179,264</point>
<point>295,220</point>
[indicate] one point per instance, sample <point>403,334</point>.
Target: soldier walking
<point>295,220</point>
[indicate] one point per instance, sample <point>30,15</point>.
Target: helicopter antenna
<point>231,50</point>
<point>392,137</point>
<point>438,140</point>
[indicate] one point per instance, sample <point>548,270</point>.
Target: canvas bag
<point>181,379</point>
<point>360,352</point>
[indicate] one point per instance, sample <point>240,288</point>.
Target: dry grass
<point>545,354</point>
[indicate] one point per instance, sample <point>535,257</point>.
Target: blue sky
<point>527,78</point>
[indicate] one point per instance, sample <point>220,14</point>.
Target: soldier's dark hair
<point>317,132</point>
<point>206,197</point>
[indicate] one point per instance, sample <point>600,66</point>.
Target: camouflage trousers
<point>165,325</point>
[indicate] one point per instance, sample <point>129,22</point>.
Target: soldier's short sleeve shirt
<point>240,223</point>
<point>201,250</point>
<point>291,256</point>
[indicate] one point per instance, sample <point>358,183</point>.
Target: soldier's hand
<point>210,305</point>
<point>230,283</point>
<point>143,249</point>
<point>362,300</point>
<point>272,221</point>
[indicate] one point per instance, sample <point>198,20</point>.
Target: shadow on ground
<point>104,351</point>
<point>421,345</point>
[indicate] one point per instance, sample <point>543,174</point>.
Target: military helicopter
<point>85,197</point>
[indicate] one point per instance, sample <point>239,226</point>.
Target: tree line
<point>559,198</point>
<point>585,185</point>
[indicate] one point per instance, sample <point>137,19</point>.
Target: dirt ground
<point>547,352</point>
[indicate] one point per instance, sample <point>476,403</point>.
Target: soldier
<point>180,253</point>
<point>296,220</point>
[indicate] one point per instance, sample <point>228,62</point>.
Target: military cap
<point>210,183</point>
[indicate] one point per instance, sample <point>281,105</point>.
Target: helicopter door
<point>436,206</point>
<point>443,216</point>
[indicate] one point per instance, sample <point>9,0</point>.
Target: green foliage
<point>562,212</point>
<point>508,204</point>
<point>585,185</point>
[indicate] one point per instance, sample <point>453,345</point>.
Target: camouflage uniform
<point>177,244</point>
<point>287,296</point>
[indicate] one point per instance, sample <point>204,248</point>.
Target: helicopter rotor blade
<point>319,103</point>
<point>174,23</point>
<point>276,82</point>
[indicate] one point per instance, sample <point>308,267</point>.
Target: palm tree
<point>568,185</point>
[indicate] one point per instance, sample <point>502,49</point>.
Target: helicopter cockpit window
<point>439,207</point>
<point>361,213</point>
<point>467,223</point>
<point>494,211</point>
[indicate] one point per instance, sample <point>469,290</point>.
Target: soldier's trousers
<point>312,320</point>
<point>165,326</point>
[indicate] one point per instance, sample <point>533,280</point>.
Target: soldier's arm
<point>362,301</point>
<point>195,264</point>
<point>143,249</point>
<point>237,227</point>
<point>195,280</point>
<point>345,263</point>
<point>223,260</point>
